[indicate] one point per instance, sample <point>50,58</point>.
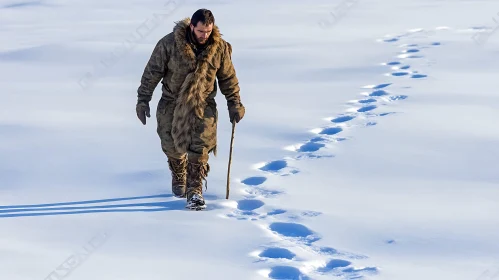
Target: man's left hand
<point>236,113</point>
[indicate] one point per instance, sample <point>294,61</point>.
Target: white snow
<point>369,148</point>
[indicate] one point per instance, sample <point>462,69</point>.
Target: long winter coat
<point>189,80</point>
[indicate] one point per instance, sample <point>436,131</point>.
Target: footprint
<point>386,114</point>
<point>328,251</point>
<point>377,86</point>
<point>334,264</point>
<point>317,139</point>
<point>277,253</point>
<point>371,123</point>
<point>286,272</point>
<point>294,171</point>
<point>418,76</point>
<point>311,213</point>
<point>391,40</point>
<point>257,192</point>
<point>311,147</point>
<point>436,44</point>
<point>245,210</point>
<point>249,204</point>
<point>393,63</point>
<point>398,97</point>
<point>312,156</point>
<point>370,100</point>
<point>381,86</point>
<point>343,119</point>
<point>293,230</point>
<point>274,166</point>
<point>367,108</point>
<point>341,268</point>
<point>398,74</point>
<point>254,181</point>
<point>331,130</point>
<point>405,67</point>
<point>411,51</point>
<point>378,93</point>
<point>276,212</point>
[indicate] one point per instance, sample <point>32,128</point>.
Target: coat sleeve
<point>227,79</point>
<point>153,73</point>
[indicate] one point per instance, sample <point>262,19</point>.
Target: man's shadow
<point>74,207</point>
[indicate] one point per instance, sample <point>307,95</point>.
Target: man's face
<point>202,32</point>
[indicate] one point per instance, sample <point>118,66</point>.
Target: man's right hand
<point>143,111</point>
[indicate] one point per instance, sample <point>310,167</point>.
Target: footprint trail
<point>284,258</point>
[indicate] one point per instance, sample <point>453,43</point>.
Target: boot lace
<point>178,168</point>
<point>202,169</point>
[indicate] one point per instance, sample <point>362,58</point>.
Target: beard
<point>199,41</point>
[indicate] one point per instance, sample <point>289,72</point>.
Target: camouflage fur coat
<point>189,80</point>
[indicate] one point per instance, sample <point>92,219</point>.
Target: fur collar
<point>180,33</point>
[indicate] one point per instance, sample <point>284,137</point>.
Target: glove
<point>236,113</point>
<point>143,111</point>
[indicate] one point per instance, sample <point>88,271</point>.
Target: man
<point>189,60</point>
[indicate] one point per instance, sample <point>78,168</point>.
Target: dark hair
<point>202,15</point>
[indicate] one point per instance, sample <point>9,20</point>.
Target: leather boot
<point>197,171</point>
<point>178,168</point>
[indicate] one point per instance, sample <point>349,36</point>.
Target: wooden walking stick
<point>230,159</point>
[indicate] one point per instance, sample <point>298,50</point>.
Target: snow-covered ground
<point>368,149</point>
